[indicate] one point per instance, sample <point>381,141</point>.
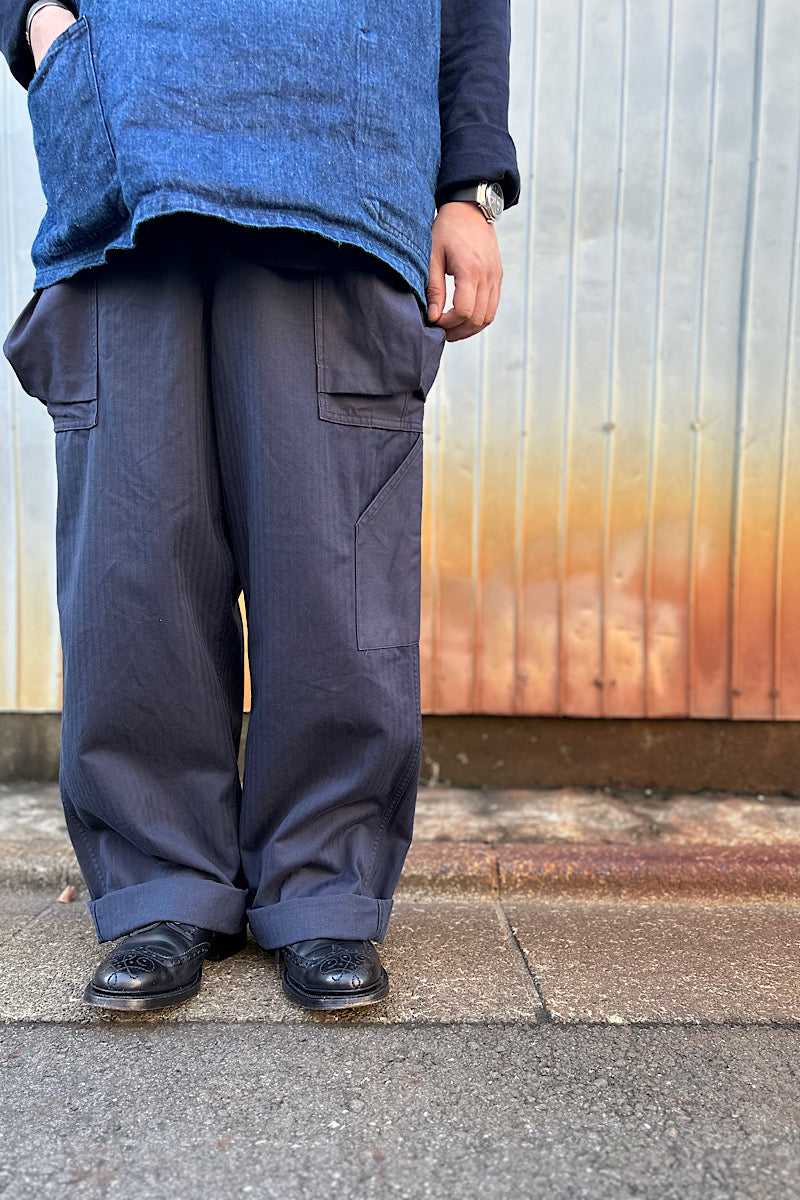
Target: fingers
<point>436,291</point>
<point>465,299</point>
<point>465,246</point>
<point>466,317</point>
<point>494,301</point>
<point>475,303</point>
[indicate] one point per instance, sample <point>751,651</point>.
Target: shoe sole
<point>223,946</point>
<point>321,1002</point>
<point>121,1003</point>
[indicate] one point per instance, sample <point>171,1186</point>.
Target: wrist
<point>465,211</point>
<point>486,196</point>
<point>38,7</point>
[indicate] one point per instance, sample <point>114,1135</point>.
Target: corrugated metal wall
<point>29,645</point>
<point>611,518</point>
<point>613,526</point>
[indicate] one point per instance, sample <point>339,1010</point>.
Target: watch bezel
<point>494,200</point>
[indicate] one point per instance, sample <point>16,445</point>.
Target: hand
<point>464,246</point>
<point>46,25</point>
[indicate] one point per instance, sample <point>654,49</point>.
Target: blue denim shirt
<point>301,114</point>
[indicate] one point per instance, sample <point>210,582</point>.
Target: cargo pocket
<point>388,559</point>
<point>77,164</point>
<point>376,362</point>
<point>376,357</point>
<point>52,348</point>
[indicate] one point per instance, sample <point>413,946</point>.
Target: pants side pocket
<point>388,559</point>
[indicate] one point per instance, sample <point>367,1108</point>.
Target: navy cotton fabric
<point>232,442</point>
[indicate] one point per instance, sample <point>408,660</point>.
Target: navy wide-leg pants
<point>222,426</point>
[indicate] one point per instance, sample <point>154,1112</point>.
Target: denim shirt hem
<point>408,261</point>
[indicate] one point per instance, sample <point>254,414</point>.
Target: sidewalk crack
<point>544,1017</point>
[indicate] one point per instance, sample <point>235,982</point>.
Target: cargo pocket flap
<point>52,348</point>
<point>371,337</point>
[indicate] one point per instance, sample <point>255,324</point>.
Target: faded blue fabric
<point>303,114</point>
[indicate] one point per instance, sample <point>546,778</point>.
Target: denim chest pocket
<point>52,348</point>
<point>376,362</point>
<point>77,164</point>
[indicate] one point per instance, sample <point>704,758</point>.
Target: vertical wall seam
<point>11,284</point>
<point>691,585</point>
<point>788,372</point>
<point>613,346</point>
<point>477,505</point>
<point>741,359</point>
<point>655,382</point>
<point>569,354</point>
<point>435,570</point>
<point>526,392</point>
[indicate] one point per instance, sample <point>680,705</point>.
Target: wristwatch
<point>488,196</point>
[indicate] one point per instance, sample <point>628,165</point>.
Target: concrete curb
<point>690,872</point>
<point>37,860</point>
<point>619,872</point>
<point>538,871</point>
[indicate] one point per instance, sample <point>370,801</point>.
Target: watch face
<point>494,195</point>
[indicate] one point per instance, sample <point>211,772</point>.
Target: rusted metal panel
<point>647,509</point>
<point>725,222</point>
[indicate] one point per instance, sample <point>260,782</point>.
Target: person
<point>238,310</point>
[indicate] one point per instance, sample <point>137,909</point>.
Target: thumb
<point>436,290</point>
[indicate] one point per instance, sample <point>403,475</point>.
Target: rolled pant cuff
<point>177,898</point>
<point>357,917</point>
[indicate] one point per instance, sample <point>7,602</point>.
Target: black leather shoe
<point>157,965</point>
<point>328,973</point>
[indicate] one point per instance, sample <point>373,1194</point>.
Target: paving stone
<point>521,815</point>
<point>642,962</point>
<point>593,816</point>
<point>18,909</point>
<point>31,806</point>
<point>448,961</point>
<point>457,830</point>
<point>38,860</point>
<point>720,819</point>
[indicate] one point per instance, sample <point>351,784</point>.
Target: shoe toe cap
<point>131,972</point>
<point>342,967</point>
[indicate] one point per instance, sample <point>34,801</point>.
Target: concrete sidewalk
<point>521,907</point>
<point>468,961</point>
<point>592,996</point>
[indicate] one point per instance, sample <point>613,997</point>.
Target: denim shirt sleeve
<point>473,97</point>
